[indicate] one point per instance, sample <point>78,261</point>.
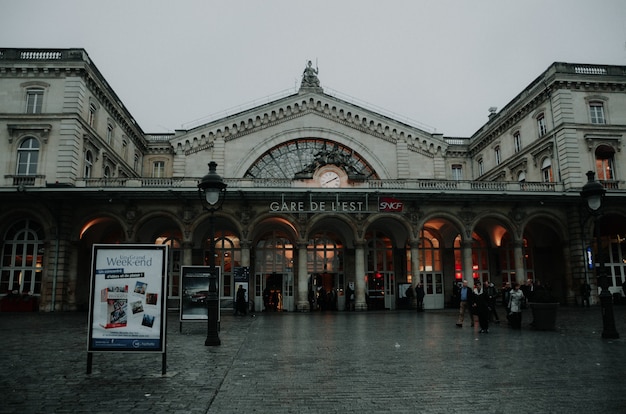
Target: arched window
<point>28,157</point>
<point>546,171</point>
<point>88,164</point>
<point>107,172</point>
<point>22,258</point>
<point>604,163</point>
<point>498,155</point>
<point>227,257</point>
<point>521,177</point>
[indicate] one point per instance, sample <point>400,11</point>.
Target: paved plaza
<point>365,362</point>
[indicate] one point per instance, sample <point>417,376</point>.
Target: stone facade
<point>324,196</point>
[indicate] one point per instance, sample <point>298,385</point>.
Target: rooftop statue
<point>309,77</point>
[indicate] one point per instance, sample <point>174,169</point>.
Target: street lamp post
<point>593,193</point>
<point>212,191</point>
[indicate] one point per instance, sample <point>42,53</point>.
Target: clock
<point>330,179</point>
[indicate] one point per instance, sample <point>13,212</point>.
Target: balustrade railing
<point>288,184</point>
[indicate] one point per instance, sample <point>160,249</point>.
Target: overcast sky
<point>441,63</point>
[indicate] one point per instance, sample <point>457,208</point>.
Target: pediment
<point>314,104</point>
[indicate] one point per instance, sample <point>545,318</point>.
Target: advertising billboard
<point>127,305</point>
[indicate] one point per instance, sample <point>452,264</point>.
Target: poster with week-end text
<point>127,306</point>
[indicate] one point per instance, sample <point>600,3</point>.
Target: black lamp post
<point>212,191</point>
<point>593,193</point>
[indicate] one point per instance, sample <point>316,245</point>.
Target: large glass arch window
<point>299,158</point>
<point>22,258</point>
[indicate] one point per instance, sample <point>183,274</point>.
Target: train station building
<point>329,204</point>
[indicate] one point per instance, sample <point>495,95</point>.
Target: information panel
<point>194,282</point>
<point>127,308</point>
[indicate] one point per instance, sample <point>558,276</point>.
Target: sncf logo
<point>389,204</point>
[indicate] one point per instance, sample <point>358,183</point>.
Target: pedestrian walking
<point>492,296</point>
<point>480,307</point>
<point>516,298</point>
<point>419,296</point>
<point>585,293</point>
<point>465,301</point>
<point>241,305</point>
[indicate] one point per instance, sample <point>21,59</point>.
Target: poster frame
<point>132,263</point>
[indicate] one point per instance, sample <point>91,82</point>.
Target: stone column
<point>415,263</point>
<point>359,276</point>
<point>518,256</point>
<point>245,253</point>
<point>303,279</point>
<point>415,270</point>
<point>468,265</point>
<point>187,253</point>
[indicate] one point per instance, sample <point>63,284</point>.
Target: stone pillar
<point>245,253</point>
<point>415,263</point>
<point>415,270</point>
<point>187,253</point>
<point>518,256</point>
<point>303,279</point>
<point>359,276</point>
<point>468,265</point>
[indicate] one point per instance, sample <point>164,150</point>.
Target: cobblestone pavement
<point>366,362</point>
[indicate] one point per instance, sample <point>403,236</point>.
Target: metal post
<point>212,337</point>
<point>606,300</point>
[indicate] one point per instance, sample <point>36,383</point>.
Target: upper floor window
<point>521,177</point>
<point>136,163</point>
<point>158,169</point>
<point>27,157</point>
<point>34,100</point>
<point>604,163</point>
<point>596,112</point>
<point>542,128</point>
<point>125,150</point>
<point>546,171</point>
<point>109,134</point>
<point>92,115</point>
<point>107,172</point>
<point>457,172</point>
<point>498,155</point>
<point>88,164</point>
<point>481,167</point>
<point>517,141</point>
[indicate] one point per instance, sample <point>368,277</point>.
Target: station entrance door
<point>275,293</point>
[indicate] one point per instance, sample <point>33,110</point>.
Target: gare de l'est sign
<point>384,204</point>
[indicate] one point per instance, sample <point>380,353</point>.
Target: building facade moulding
<point>41,131</point>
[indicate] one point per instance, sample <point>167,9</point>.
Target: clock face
<point>330,179</point>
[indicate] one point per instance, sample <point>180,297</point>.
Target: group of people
<point>481,301</point>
